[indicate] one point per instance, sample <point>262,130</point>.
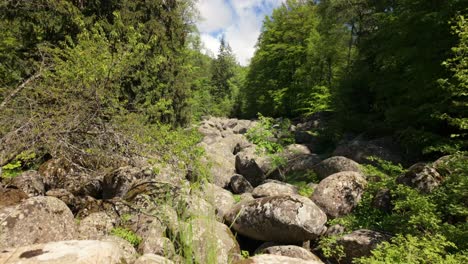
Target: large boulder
<point>334,165</point>
<point>37,220</point>
<point>220,198</point>
<point>95,226</point>
<point>253,166</point>
<point>360,149</point>
<point>274,188</point>
<point>30,182</point>
<point>128,250</point>
<point>211,237</point>
<point>119,181</point>
<point>10,197</point>
<point>294,151</point>
<point>360,243</point>
<point>162,246</point>
<point>302,163</point>
<point>239,184</point>
<point>64,252</point>
<point>422,177</point>
<point>286,218</point>
<point>276,259</point>
<point>288,251</point>
<point>339,194</point>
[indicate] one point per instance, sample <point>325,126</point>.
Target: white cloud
<point>241,26</point>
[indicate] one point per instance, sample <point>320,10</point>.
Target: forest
<point>98,83</point>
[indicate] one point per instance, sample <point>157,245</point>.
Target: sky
<point>239,20</point>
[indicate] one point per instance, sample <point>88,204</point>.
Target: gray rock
<point>287,218</point>
<point>157,245</point>
<point>302,163</point>
<point>65,196</point>
<point>288,251</point>
<point>339,194</point>
<point>37,220</point>
<point>359,149</point>
<point>10,197</point>
<point>128,251</point>
<point>118,182</point>
<point>220,198</point>
<point>274,188</point>
<point>152,259</point>
<point>95,226</point>
<point>30,182</point>
<point>276,259</point>
<point>209,236</point>
<point>253,166</point>
<point>294,151</point>
<point>383,200</point>
<point>240,185</point>
<point>334,165</point>
<point>360,243</point>
<point>335,230</point>
<point>64,252</point>
<point>422,177</point>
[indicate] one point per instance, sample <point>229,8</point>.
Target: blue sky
<point>239,20</point>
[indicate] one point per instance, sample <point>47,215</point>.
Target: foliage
<point>270,135</point>
<point>330,247</point>
<point>127,234</point>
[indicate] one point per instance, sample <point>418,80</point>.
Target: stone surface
<point>210,236</point>
<point>157,245</point>
<point>128,251</point>
<point>286,218</point>
<point>288,251</point>
<point>294,151</point>
<point>37,220</point>
<point>360,243</point>
<point>274,188</point>
<point>152,259</point>
<point>276,259</point>
<point>339,194</point>
<point>95,226</point>
<point>30,182</point>
<point>65,196</point>
<point>422,177</point>
<point>383,200</point>
<point>252,166</point>
<point>10,197</point>
<point>64,252</point>
<point>220,198</point>
<point>334,165</point>
<point>239,184</point>
<point>119,181</point>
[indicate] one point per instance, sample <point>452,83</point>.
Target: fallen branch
<point>18,89</point>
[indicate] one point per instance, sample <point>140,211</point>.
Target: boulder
<point>10,197</point>
<point>301,163</point>
<point>339,194</point>
<point>359,149</point>
<point>335,230</point>
<point>212,237</point>
<point>64,252</point>
<point>65,196</point>
<point>285,218</point>
<point>294,151</point>
<point>276,259</point>
<point>383,200</point>
<point>37,220</point>
<point>422,177</point>
<point>360,243</point>
<point>274,188</point>
<point>288,251</point>
<point>152,259</point>
<point>157,245</point>
<point>240,185</point>
<point>95,226</point>
<point>334,165</point>
<point>146,225</point>
<point>253,166</point>
<point>30,182</point>
<point>128,251</point>
<point>119,181</point>
<point>220,198</point>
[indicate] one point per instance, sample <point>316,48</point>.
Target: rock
<point>246,197</point>
<point>422,177</point>
<point>240,185</point>
<point>286,218</point>
<point>95,226</point>
<point>360,243</point>
<point>383,200</point>
<point>252,166</point>
<point>220,198</point>
<point>335,230</point>
<point>274,188</point>
<point>213,237</point>
<point>65,196</point>
<point>64,252</point>
<point>10,197</point>
<point>145,226</point>
<point>359,149</point>
<point>334,165</point>
<point>157,245</point>
<point>302,163</point>
<point>196,206</point>
<point>37,220</point>
<point>339,193</point>
<point>127,249</point>
<point>30,182</point>
<point>442,165</point>
<point>276,259</point>
<point>294,151</point>
<point>152,259</point>
<point>304,137</point>
<point>118,182</point>
<point>289,251</point>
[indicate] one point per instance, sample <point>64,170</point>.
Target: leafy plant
<point>127,234</point>
<point>270,135</point>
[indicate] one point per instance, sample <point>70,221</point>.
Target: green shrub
<point>128,235</point>
<point>269,135</point>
